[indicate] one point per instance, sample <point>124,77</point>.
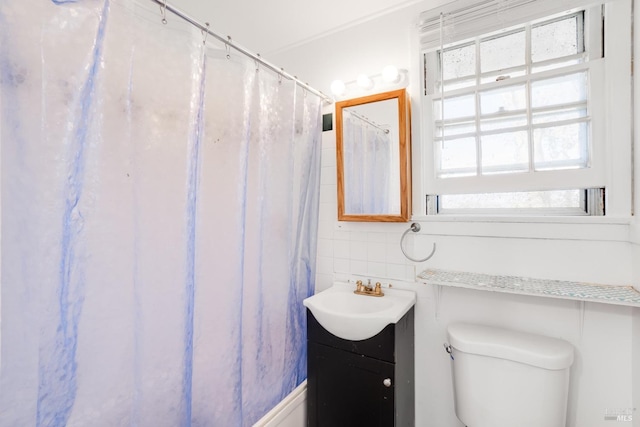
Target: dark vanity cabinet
<point>368,383</point>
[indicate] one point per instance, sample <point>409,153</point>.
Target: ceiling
<point>271,26</point>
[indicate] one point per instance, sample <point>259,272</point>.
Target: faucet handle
<point>378,290</point>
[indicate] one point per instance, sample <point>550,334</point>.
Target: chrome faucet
<point>362,289</point>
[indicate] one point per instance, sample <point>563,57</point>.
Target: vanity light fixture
<point>338,87</point>
<point>390,74</point>
<point>364,82</point>
<point>391,78</point>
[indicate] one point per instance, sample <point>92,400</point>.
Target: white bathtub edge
<point>290,412</point>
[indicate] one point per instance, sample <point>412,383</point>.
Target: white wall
<point>366,48</point>
<point>601,334</point>
<point>606,338</point>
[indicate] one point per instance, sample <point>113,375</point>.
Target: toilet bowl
<point>504,378</point>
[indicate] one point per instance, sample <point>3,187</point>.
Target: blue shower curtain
<point>159,217</point>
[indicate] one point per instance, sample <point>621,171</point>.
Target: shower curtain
<point>159,217</point>
<point>368,162</point>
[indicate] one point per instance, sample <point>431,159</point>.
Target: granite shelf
<point>588,292</point>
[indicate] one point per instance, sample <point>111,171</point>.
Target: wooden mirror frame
<point>404,126</point>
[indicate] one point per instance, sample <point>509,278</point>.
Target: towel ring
<point>415,227</point>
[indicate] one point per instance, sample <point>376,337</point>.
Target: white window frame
<point>611,128</point>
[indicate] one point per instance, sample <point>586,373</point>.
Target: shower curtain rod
<point>371,122</point>
<point>228,42</point>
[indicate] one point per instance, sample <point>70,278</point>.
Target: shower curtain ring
<point>227,47</point>
<point>205,33</point>
<point>163,12</point>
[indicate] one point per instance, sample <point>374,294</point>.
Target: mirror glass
<point>373,146</point>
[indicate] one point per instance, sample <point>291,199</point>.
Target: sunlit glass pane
<point>502,52</point>
<point>503,123</point>
<point>503,100</point>
<point>459,84</point>
<point>559,90</point>
<point>554,199</point>
<point>455,129</point>
<point>459,62</point>
<point>456,107</point>
<point>561,147</point>
<point>555,39</point>
<point>458,157</point>
<point>556,65</point>
<point>505,153</point>
<point>558,115</point>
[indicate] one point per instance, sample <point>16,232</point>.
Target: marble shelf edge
<point>576,291</point>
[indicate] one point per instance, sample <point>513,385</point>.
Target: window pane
<point>458,157</point>
<point>561,147</point>
<point>459,62</point>
<point>502,100</point>
<point>555,39</point>
<point>455,129</point>
<point>559,90</point>
<point>558,115</point>
<point>503,123</point>
<point>456,107</point>
<point>502,52</point>
<point>556,65</point>
<point>459,84</point>
<point>517,200</point>
<point>505,153</point>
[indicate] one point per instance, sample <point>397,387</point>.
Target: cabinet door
<point>348,390</point>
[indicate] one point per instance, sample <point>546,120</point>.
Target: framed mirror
<point>373,148</point>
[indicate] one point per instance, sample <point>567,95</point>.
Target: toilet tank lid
<point>532,349</point>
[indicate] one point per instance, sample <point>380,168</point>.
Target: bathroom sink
<point>358,317</point>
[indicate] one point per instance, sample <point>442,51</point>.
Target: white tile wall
<point>358,267</point>
<point>341,249</point>
<point>341,265</point>
<point>325,247</point>
<point>369,250</point>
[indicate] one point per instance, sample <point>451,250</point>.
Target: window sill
<point>516,219</point>
<point>587,228</point>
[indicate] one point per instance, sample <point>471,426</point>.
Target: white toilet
<point>504,378</point>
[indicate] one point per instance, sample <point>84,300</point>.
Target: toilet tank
<point>504,378</point>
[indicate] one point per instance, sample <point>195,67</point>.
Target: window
<point>515,117</point>
<point>551,202</point>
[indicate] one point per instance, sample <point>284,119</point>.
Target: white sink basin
<point>358,317</point>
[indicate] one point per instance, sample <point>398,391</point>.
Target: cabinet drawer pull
<point>387,382</point>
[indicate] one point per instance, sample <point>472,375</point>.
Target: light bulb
<point>338,87</point>
<point>390,74</point>
<point>364,81</point>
